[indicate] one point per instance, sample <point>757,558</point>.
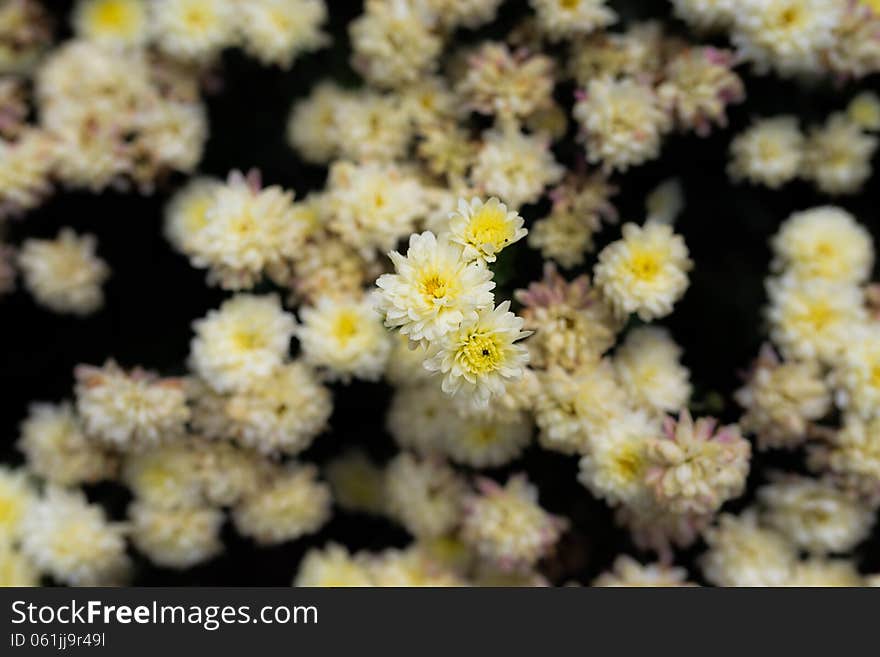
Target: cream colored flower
<point>838,156</point>
<point>649,368</point>
<point>433,290</point>
<point>278,31</point>
<point>176,538</point>
<point>424,495</point>
<point>645,272</point>
<point>112,22</point>
<point>484,229</point>
<point>770,152</point>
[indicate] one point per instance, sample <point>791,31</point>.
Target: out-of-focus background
<point>154,294</point>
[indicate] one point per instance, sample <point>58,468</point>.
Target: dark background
<point>154,295</point>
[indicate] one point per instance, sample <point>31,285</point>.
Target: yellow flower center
<point>819,315</point>
<point>248,340</point>
<point>481,353</point>
<point>345,326</point>
<point>10,512</point>
<point>197,213</point>
<point>115,17</point>
<point>485,435</point>
<point>435,286</point>
<point>628,463</point>
<point>874,5</point>
<point>489,226</point>
<point>791,17</point>
<point>569,4</point>
<point>644,265</point>
<point>197,18</point>
<point>875,376</point>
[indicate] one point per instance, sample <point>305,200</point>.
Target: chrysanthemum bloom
<point>706,14</point>
<point>66,537</point>
<point>511,85</point>
<point>506,525</point>
<point>573,406</point>
<point>17,496</point>
<point>695,469</point>
<point>326,263</point>
<point>176,538</point>
<point>864,111</point>
<point>281,413</point>
<point>788,36</point>
<point>742,553</point>
<point>623,123</point>
<point>617,460</point>
<point>424,495</point>
<point>838,156</point>
<point>193,29</point>
<point>699,85</point>
<point>515,167</point>
<point>815,515</point>
<point>224,473</point>
<point>344,338</point>
<point>819,572</point>
<point>653,528</point>
<point>572,323</point>
<point>25,167</point>
<point>15,568</point>
<point>430,101</point>
<point>484,229</point>
<point>637,51</point>
<point>25,32</point>
<point>484,441</point>
<point>856,374</point>
<point>561,19</point>
<point>580,205</point>
<point>480,356</point>
<point>278,31</point>
<point>394,42</point>
<point>313,126</point>
<point>781,399</point>
<point>408,568</point>
<point>813,319</point>
<point>332,566</point>
<point>446,149</point>
<point>649,368</point>
<point>246,229</point>
<point>57,449</point>
<point>130,411</point>
<point>372,126</point>
<point>64,274</point>
<point>626,571</point>
<point>418,418</point>
<point>770,152</point>
<point>243,341</point>
<point>433,289</point>
<point>372,206</point>
<point>645,272</point>
<point>856,49</point>
<point>357,483</point>
<point>290,504</point>
<point>186,214</point>
<point>166,476</point>
<point>824,242</point>
<point>851,456</point>
<point>112,22</point>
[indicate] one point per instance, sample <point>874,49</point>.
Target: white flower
<point>770,152</point>
<point>72,540</point>
<point>277,31</point>
<point>483,440</point>
<point>193,29</point>
<point>130,411</point>
<point>645,272</point>
<point>64,274</point>
<point>482,355</point>
<point>433,290</point>
<point>290,504</point>
<point>344,337</point>
<point>838,156</point>
<point>281,413</point>
<point>186,214</point>
<point>17,496</point>
<point>176,538</point>
<point>515,167</point>
<point>623,122</point>
<point>647,364</point>
<point>826,243</point>
<point>857,374</point>
<point>57,449</point>
<point>244,340</point>
<point>112,22</point>
<point>424,495</point>
<point>484,229</point>
<point>566,18</point>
